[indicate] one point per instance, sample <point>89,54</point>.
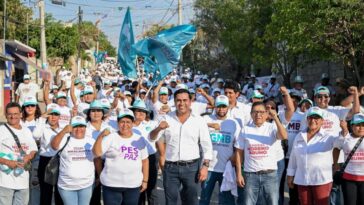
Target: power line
<point>165,14</point>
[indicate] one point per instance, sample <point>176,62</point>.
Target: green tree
<point>156,28</point>
<point>319,30</point>
<point>16,15</point>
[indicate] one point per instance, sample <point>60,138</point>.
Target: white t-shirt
<point>93,133</point>
<point>45,134</point>
<point>156,109</point>
<point>259,148</point>
<point>81,107</point>
<point>25,90</point>
<point>65,117</point>
<point>356,163</point>
<point>9,146</point>
<point>222,141</point>
<point>292,127</point>
<point>143,130</point>
<point>30,124</point>
<point>76,169</point>
<point>123,161</point>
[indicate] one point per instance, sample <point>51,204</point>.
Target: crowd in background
<point>116,134</point>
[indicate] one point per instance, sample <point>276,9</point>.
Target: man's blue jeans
<point>175,176</point>
<point>76,197</point>
<point>260,185</point>
<point>207,187</point>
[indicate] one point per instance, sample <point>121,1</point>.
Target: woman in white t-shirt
<point>310,163</point>
<point>125,173</point>
<point>353,177</point>
<point>30,113</point>
<point>76,169</point>
<point>44,133</point>
<point>95,124</point>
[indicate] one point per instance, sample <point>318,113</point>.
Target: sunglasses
<point>314,117</point>
<point>322,96</point>
<point>96,110</point>
<point>29,106</point>
<point>55,114</point>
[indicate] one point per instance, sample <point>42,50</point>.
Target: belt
<point>267,171</point>
<point>183,163</point>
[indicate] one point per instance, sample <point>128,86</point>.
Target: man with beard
<point>223,132</point>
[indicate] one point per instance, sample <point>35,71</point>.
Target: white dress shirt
<point>311,162</point>
<point>183,139</point>
<point>241,113</point>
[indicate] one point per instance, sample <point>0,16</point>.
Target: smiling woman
<point>311,146</point>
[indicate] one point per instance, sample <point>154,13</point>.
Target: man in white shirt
<point>183,132</point>
<point>223,132</point>
<point>256,148</point>
<point>14,181</point>
<point>237,110</point>
<point>26,89</point>
<point>272,90</point>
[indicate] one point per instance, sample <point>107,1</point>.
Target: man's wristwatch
<point>206,164</point>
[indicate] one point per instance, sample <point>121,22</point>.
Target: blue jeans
<point>281,164</point>
<point>208,186</point>
<point>119,195</point>
<point>335,195</point>
<point>15,197</point>
<point>76,197</point>
<point>260,185</point>
<point>175,176</point>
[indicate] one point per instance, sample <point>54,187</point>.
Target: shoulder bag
<point>52,168</point>
<point>28,165</point>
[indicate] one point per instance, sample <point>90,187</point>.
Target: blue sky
<point>143,12</point>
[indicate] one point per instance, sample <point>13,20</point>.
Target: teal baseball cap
<point>139,104</point>
<point>322,90</point>
<point>126,113</point>
<point>78,121</point>
<point>357,119</point>
<point>30,100</point>
<point>315,111</point>
<point>221,100</point>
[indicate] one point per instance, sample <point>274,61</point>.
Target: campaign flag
<point>126,55</point>
<point>166,47</point>
<point>149,65</point>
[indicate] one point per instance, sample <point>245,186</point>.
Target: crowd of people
<point>115,135</point>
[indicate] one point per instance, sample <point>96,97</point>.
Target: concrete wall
<point>312,74</point>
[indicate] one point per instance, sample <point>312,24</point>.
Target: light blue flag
<point>149,65</point>
<point>166,47</point>
<point>126,55</point>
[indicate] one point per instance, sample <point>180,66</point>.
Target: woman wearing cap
<point>45,132</point>
<point>125,174</point>
<point>30,113</point>
<point>353,177</point>
<point>76,169</point>
<point>61,101</point>
<point>143,128</point>
<point>292,122</point>
<point>310,163</point>
<point>95,124</point>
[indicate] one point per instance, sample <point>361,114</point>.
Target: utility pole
<point>179,12</point>
<point>43,51</point>
<point>4,27</point>
<point>80,13</point>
